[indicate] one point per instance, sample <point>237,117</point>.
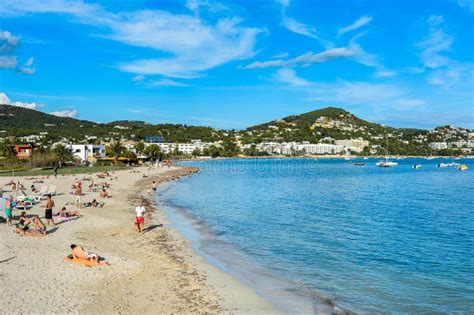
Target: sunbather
<point>104,193</point>
<point>25,231</point>
<point>39,225</point>
<point>34,190</point>
<point>24,220</point>
<point>67,214</point>
<point>79,252</point>
<point>97,204</point>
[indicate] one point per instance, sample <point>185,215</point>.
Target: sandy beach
<point>155,272</point>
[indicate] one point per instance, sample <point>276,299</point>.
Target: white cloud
<point>8,46</point>
<point>452,75</point>
<point>138,79</point>
<point>298,27</point>
<point>5,100</point>
<point>469,4</point>
<point>8,42</point>
<point>289,76</point>
<point>27,67</point>
<point>32,105</point>
<point>70,113</point>
<point>363,20</point>
<point>280,55</point>
<point>22,7</point>
<point>382,73</point>
<point>7,62</point>
<point>435,44</point>
<point>305,59</point>
<point>197,5</point>
<point>193,44</point>
<point>166,82</point>
<point>29,62</point>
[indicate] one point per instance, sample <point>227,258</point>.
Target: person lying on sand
<point>39,225</point>
<point>67,214</point>
<point>79,252</point>
<point>25,231</point>
<point>33,189</point>
<point>24,220</point>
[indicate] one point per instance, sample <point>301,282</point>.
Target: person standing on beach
<point>78,193</point>
<point>48,212</point>
<point>55,170</point>
<point>8,210</point>
<point>139,219</point>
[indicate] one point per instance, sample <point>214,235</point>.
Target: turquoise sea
<point>307,234</point>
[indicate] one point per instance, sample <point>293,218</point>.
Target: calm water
<point>369,239</point>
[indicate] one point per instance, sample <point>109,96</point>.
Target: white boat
<point>386,162</point>
<point>452,164</point>
<point>347,158</point>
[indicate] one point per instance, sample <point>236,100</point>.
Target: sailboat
<point>386,162</point>
<point>452,164</point>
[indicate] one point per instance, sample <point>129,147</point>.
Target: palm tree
<point>116,149</point>
<point>153,151</point>
<point>63,154</point>
<point>139,147</point>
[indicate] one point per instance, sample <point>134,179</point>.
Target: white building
<point>88,152</point>
<point>356,145</point>
<point>438,145</point>
<point>290,148</point>
<point>187,148</point>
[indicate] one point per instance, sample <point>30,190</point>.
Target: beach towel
<point>81,261</point>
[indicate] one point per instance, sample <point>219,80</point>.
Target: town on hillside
<point>42,140</point>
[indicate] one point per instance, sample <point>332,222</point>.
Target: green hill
<point>18,122</point>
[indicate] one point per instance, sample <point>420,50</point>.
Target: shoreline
<point>156,272</point>
<point>322,157</point>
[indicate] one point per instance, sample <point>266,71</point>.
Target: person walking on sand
<point>139,219</point>
<point>48,212</point>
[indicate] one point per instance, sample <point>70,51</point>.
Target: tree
<point>212,151</point>
<point>230,148</point>
<point>63,154</point>
<point>139,147</point>
<point>116,149</point>
<point>153,150</point>
<point>7,149</point>
<point>196,152</point>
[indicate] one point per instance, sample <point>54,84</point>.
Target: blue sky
<point>233,64</point>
